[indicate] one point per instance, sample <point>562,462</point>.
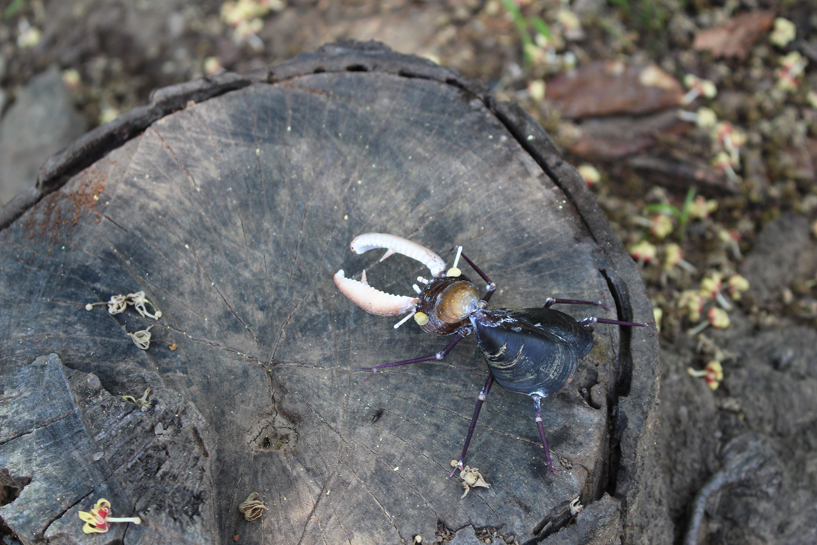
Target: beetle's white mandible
<point>399,245</point>
<point>373,300</point>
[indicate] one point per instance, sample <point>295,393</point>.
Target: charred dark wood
<point>230,203</point>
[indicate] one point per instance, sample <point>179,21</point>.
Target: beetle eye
<point>421,318</point>
<point>453,271</point>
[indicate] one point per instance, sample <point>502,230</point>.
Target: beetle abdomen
<point>531,351</point>
<point>561,325</point>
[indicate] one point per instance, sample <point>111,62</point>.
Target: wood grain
<point>232,215</point>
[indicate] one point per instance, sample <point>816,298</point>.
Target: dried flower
<point>537,54</point>
<point>660,226</point>
<point>657,315</point>
<point>118,304</point>
<point>97,521</point>
<point>700,208</point>
<point>29,35</point>
<point>138,300</point>
<point>792,65</point>
<point>698,87</point>
<point>691,303</point>
<point>590,174</point>
<point>141,338</point>
<point>234,13</point>
<point>703,117</point>
<point>712,374</point>
<point>725,163</point>
<point>784,32</point>
<point>643,252</point>
<point>212,65</point>
<point>252,508</point>
<point>672,255</point>
<point>730,138</point>
<point>536,89</point>
<point>711,285</point>
<point>568,19</point>
<point>71,78</point>
<point>245,29</point>
<point>471,478</point>
<point>718,318</point>
<point>141,402</point>
<point>736,285</point>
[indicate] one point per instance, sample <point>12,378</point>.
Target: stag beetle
<point>530,351</point>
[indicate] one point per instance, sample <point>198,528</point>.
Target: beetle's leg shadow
<point>480,400</point>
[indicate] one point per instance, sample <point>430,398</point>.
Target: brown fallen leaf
<point>735,38</point>
<point>619,136</point>
<point>682,173</point>
<point>606,88</point>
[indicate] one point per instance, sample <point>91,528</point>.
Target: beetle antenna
<point>457,258</point>
<point>406,318</point>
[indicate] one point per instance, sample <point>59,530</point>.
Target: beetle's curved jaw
<point>399,245</point>
<point>373,300</point>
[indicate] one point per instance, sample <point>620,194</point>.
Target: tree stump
<point>230,202</point>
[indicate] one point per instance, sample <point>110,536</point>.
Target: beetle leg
<point>594,320</point>
<point>438,356</point>
<point>550,301</point>
<point>491,285</point>
<point>480,400</point>
<point>537,409</point>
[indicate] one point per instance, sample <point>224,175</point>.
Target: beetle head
<point>445,304</point>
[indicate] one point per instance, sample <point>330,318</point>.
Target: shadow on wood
<point>232,214</point>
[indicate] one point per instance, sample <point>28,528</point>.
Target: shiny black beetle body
<point>531,351</point>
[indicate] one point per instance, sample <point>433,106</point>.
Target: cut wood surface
<point>232,215</point>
